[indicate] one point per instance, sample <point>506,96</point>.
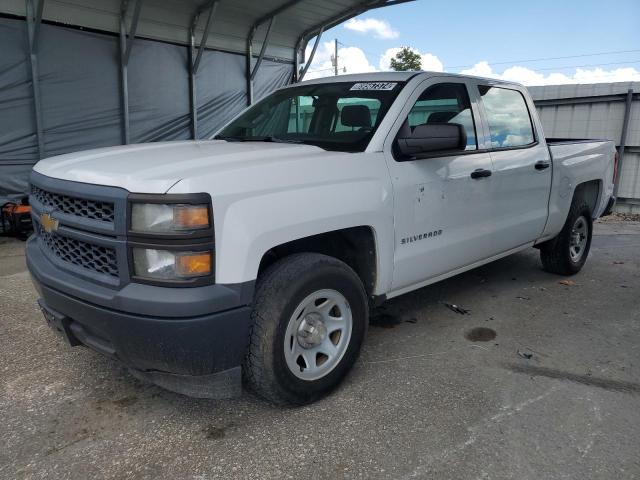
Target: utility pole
<point>335,57</point>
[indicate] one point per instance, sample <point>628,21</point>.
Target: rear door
<point>442,214</point>
<point>521,166</point>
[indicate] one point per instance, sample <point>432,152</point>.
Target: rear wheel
<point>567,253</point>
<point>310,316</point>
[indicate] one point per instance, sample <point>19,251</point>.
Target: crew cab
<point>254,257</point>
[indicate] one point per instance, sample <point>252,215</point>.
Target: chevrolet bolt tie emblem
<point>49,224</point>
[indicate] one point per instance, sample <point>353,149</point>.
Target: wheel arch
<point>355,246</point>
<point>590,191</point>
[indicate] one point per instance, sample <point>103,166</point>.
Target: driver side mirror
<point>435,137</point>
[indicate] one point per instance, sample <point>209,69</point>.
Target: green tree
<point>406,60</point>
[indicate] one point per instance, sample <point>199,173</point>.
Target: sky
<point>599,41</point>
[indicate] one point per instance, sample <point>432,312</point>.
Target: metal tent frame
<point>130,13</point>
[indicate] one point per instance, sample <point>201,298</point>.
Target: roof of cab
<point>394,77</point>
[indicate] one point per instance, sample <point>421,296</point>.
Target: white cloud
<point>430,62</point>
<point>354,60</point>
<point>528,76</point>
<point>350,60</point>
<point>379,28</point>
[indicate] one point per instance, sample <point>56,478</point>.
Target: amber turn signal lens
<point>193,264</point>
<point>189,217</point>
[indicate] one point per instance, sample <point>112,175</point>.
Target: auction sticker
<point>374,86</point>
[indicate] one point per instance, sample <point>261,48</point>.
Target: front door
<point>442,205</point>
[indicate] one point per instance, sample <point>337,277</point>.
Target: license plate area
<point>59,323</point>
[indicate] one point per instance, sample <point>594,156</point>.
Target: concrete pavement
<point>556,393</point>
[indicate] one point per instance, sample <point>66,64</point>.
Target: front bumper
<point>198,353</point>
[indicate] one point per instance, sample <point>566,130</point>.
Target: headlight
<point>169,218</point>
<point>171,265</point>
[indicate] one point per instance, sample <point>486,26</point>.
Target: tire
<point>560,255</point>
<point>293,323</point>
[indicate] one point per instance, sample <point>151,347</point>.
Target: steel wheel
<point>578,241</point>
<point>318,334</point>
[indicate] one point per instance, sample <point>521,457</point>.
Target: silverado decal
<point>422,236</point>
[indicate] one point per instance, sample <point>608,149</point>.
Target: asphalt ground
<point>539,380</point>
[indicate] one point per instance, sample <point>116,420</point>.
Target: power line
<point>631,62</point>
<point>588,65</point>
<point>550,58</point>
<point>322,70</point>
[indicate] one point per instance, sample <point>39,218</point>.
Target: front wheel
<point>567,253</point>
<point>310,317</point>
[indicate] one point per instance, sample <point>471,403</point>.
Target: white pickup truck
<point>258,254</point>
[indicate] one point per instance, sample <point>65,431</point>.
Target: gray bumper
<point>190,340</point>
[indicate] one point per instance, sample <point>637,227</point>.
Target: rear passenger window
<point>508,117</point>
<point>445,103</point>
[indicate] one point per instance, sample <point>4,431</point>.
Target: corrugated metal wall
<point>597,111</point>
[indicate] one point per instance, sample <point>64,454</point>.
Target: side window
<point>508,117</point>
<point>445,103</point>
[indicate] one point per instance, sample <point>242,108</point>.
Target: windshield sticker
<point>374,86</point>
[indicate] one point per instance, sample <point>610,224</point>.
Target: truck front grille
<point>86,255</point>
<point>80,207</point>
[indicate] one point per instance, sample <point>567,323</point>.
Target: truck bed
<point>559,141</point>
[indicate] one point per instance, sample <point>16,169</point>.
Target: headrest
<point>355,116</point>
<point>441,117</point>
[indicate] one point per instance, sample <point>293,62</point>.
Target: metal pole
<point>335,56</point>
<point>132,33</point>
<point>623,138</point>
<point>192,82</point>
<point>34,18</point>
<point>126,44</point>
<point>296,63</point>
<point>248,68</point>
<point>313,52</point>
<point>124,87</point>
<point>265,43</point>
<point>36,26</point>
<point>205,35</point>
<point>124,84</point>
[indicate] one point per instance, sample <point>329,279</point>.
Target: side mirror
<point>435,137</point>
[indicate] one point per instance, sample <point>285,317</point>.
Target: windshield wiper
<point>267,138</point>
<point>230,138</point>
<point>278,140</point>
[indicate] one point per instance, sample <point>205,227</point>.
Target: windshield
<point>334,116</point>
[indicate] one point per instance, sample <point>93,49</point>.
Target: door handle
<point>541,165</point>
<point>480,173</point>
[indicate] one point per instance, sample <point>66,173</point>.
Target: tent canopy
<point>81,74</point>
<point>296,21</point>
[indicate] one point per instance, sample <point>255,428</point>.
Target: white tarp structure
<point>79,74</point>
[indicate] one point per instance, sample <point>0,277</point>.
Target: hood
<point>156,167</point>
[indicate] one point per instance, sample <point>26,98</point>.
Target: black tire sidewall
<point>280,290</point>
<point>581,210</point>
<point>325,277</point>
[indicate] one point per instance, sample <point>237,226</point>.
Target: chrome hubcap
<point>318,334</point>
<point>311,331</point>
<point>578,241</point>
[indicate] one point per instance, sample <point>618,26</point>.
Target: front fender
<point>290,205</point>
<point>253,226</point>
